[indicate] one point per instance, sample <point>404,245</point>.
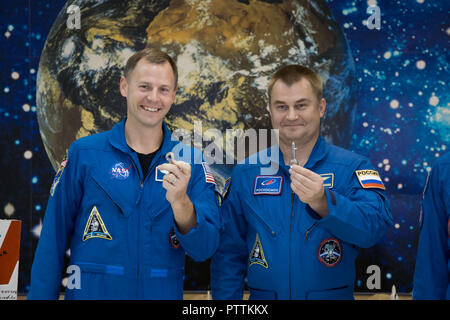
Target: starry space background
<point>402,122</point>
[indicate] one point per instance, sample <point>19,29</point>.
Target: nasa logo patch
<point>330,252</point>
<point>120,171</point>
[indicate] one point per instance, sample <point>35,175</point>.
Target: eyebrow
<point>297,101</point>
<point>149,83</point>
<point>302,100</point>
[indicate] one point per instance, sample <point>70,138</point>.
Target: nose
<point>292,115</point>
<point>153,95</point>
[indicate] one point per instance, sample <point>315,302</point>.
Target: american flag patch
<point>58,174</point>
<point>209,177</point>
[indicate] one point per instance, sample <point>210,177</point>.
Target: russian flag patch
<point>369,179</point>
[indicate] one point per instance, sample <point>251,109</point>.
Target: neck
<point>302,152</point>
<point>143,140</point>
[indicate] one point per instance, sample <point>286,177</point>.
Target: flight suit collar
<point>318,153</point>
<point>118,140</point>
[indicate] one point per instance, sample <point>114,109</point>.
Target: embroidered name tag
<point>328,180</point>
<point>160,174</point>
<point>270,185</point>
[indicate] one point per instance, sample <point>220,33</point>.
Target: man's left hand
<point>308,186</point>
<point>176,182</point>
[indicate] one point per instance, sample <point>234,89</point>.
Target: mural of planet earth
<point>226,52</point>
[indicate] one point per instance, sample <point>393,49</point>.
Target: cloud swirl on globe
<point>226,52</point>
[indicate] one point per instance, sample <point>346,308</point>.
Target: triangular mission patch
<point>257,254</point>
<point>95,228</point>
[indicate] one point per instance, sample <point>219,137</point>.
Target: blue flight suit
<point>432,270</point>
<point>123,236</point>
<point>286,249</point>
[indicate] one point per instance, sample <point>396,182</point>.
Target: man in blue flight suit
<point>296,233</point>
<point>129,224</point>
<point>431,275</point>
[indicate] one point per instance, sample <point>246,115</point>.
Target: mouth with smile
<point>292,125</point>
<point>150,108</point>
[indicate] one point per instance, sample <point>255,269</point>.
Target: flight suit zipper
<point>142,180</point>
<point>138,200</point>
<point>141,185</point>
<point>290,243</point>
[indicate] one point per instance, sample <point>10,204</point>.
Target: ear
<point>123,86</point>
<point>268,109</point>
<point>174,94</point>
<point>322,107</point>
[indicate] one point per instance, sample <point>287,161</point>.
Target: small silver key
<point>293,160</point>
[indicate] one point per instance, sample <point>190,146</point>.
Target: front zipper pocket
<point>308,231</point>
<point>266,226</point>
<point>123,212</point>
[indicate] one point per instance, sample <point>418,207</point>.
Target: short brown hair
<point>151,55</point>
<point>290,74</point>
